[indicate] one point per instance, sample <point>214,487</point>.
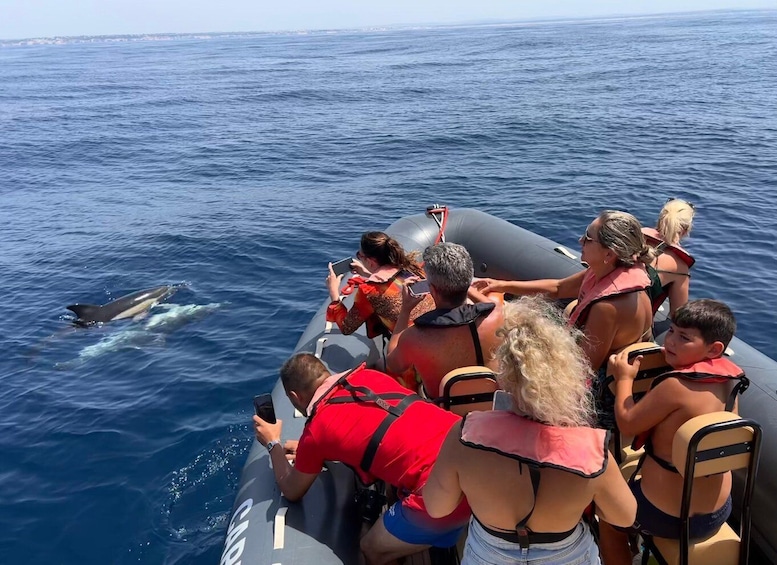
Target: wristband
<point>271,444</point>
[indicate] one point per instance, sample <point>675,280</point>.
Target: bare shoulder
<point>670,388</point>
<point>668,261</point>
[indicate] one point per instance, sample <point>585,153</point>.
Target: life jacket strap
<point>473,329</point>
<point>394,412</point>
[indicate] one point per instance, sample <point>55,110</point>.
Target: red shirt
<point>341,432</point>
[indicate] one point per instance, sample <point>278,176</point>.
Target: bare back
<point>675,273</point>
<point>500,493</point>
<point>663,487</point>
<point>614,323</point>
<point>437,351</point>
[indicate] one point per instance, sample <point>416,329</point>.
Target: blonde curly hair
<point>542,365</point>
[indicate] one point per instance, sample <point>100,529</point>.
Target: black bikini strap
<point>473,329</point>
<point>520,528</point>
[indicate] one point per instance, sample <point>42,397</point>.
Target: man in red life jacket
<point>453,335</point>
<point>702,381</point>
<point>381,430</point>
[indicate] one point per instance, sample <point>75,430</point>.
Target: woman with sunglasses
<point>669,271</point>
<point>613,307</point>
<point>384,267</point>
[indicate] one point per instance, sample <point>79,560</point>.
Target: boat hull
<point>324,528</point>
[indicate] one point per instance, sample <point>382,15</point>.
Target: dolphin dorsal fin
<point>85,312</point>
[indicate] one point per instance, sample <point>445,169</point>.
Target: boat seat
<point>707,445</point>
<point>569,307</point>
<point>653,364</point>
<point>629,468</point>
<point>467,389</point>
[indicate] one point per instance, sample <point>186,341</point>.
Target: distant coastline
<point>131,38</point>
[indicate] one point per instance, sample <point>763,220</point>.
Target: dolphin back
<point>87,312</point>
<point>124,307</point>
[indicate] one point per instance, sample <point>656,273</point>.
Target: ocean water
<point>240,164</point>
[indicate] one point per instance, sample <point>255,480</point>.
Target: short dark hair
<point>712,318</point>
<point>301,371</point>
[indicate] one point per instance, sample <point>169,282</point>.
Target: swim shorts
<point>417,527</point>
<point>656,522</point>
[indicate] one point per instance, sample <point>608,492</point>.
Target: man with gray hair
<point>453,335</point>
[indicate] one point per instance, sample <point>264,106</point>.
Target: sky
<point>21,19</point>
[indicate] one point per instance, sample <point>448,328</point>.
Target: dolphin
<point>121,308</point>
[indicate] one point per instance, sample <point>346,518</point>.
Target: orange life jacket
<point>717,370</point>
<point>622,280</point>
<point>655,240</point>
<point>578,450</point>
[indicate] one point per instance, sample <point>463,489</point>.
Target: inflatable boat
<point>324,526</point>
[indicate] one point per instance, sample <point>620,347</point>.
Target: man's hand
<point>267,432</point>
<point>410,300</point>
<point>290,449</point>
<point>622,370</point>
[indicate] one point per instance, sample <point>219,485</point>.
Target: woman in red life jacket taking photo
<point>383,267</point>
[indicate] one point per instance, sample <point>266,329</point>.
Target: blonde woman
<point>529,473</point>
<point>669,272</point>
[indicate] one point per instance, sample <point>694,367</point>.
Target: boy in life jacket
<point>702,381</point>
<point>382,431</point>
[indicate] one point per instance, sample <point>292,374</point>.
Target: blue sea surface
<point>241,164</point>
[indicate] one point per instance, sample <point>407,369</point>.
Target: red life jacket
<point>399,435</point>
<point>717,370</point>
<point>622,280</point>
<point>578,450</point>
<point>654,239</point>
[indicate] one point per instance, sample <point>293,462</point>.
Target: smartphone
<point>264,407</point>
<point>342,266</point>
<point>419,287</point>
<point>503,400</point>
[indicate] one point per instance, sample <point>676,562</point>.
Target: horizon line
<point>387,27</point>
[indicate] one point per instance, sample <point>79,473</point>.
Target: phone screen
<point>420,287</point>
<point>503,400</point>
<point>342,266</point>
<point>264,407</point>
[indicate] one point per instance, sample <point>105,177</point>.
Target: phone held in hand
<point>342,266</point>
<point>264,407</point>
<point>419,287</point>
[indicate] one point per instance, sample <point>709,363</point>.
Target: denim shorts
<point>484,549</point>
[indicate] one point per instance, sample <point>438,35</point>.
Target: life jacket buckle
<point>523,537</point>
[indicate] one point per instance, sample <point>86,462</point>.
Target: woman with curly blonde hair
<point>538,465</point>
<point>541,365</point>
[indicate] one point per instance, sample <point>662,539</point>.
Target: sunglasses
<point>690,204</point>
<point>585,238</point>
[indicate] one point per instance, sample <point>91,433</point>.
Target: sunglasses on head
<point>586,238</point>
<point>690,204</point>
